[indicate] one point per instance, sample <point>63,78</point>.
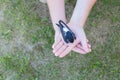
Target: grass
<point>26,37</point>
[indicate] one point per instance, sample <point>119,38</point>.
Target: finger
<point>83,40</point>
<point>89,46</point>
<point>65,52</point>
<point>58,52</point>
<point>80,47</point>
<point>79,50</point>
<point>60,44</point>
<point>68,49</point>
<point>56,43</point>
<point>84,44</point>
<point>57,40</point>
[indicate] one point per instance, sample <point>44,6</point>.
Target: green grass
<point>26,39</point>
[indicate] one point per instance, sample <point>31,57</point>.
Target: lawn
<point>26,37</point>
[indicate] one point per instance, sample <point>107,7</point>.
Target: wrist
<point>76,23</point>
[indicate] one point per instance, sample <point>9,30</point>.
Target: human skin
<point>77,21</point>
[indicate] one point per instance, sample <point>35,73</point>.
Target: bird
<point>67,34</point>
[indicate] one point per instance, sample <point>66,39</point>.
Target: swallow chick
<point>67,34</point>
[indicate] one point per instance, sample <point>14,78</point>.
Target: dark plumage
<point>67,34</point>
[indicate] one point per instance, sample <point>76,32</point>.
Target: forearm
<point>81,12</point>
<point>57,11</point>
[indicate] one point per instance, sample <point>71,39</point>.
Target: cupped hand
<point>80,45</point>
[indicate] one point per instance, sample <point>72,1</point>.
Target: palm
<point>80,45</point>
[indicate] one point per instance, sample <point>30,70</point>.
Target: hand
<point>80,45</point>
